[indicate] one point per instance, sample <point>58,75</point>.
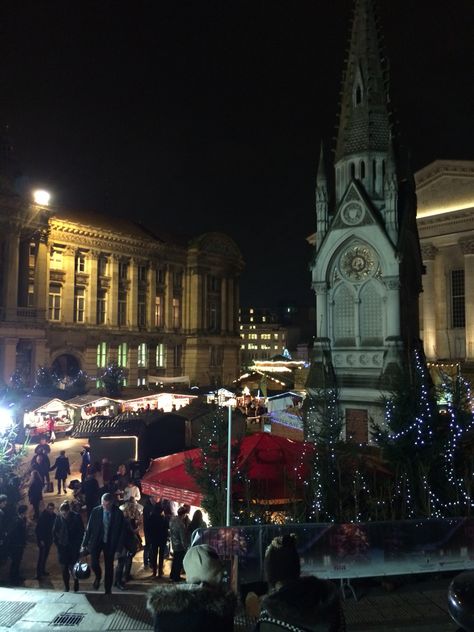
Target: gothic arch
<point>343,315</point>
<point>372,313</point>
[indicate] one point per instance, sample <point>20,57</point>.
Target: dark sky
<point>208,115</point>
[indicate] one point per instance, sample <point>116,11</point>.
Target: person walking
<point>16,544</point>
<point>44,538</point>
<point>130,545</point>
<point>131,491</point>
<point>51,433</point>
<point>68,532</point>
<point>179,542</point>
<point>35,492</point>
<point>156,529</point>
<point>104,534</point>
<point>91,490</point>
<point>44,450</point>
<point>85,461</point>
<point>63,470</point>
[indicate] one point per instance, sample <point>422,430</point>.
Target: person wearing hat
<point>202,604</point>
<point>304,603</point>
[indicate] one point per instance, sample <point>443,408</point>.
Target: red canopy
<point>275,468</point>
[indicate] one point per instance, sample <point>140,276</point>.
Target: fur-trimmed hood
<point>192,598</point>
<point>307,602</point>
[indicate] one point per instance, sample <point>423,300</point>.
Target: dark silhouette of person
<point>35,492</point>
<point>104,534</point>
<point>16,544</point>
<point>85,462</point>
<point>63,470</point>
<point>90,489</point>
<point>156,529</point>
<point>44,538</point>
<point>68,532</point>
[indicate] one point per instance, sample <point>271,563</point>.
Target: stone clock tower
<point>367,266</point>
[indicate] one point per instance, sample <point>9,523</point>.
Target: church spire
<point>364,126</point>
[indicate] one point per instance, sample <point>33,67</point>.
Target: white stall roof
<point>88,400</point>
<point>46,405</point>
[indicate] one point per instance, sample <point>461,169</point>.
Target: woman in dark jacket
<point>131,541</point>
<point>200,605</point>
<point>305,603</point>
<point>35,492</point>
<point>61,465</point>
<point>68,531</point>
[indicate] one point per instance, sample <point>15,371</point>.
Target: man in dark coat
<point>44,538</point>
<point>43,449</point>
<point>85,461</point>
<point>104,534</point>
<point>90,489</point>
<point>63,470</point>
<point>68,532</point>
<point>16,544</point>
<point>155,527</point>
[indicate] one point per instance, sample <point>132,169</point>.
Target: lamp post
<point>229,462</point>
<point>41,197</point>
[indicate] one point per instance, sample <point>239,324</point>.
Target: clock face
<point>358,263</point>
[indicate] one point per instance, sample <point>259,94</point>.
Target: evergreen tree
<point>46,382</point>
<point>210,474</point>
<point>113,378</point>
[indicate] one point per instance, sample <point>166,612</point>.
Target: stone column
<point>223,306</point>
<point>24,272</point>
<point>232,317</point>
<point>91,292</point>
<point>8,358</point>
<point>428,252</point>
<point>132,302</point>
<point>42,275</point>
<point>393,306</point>
<point>321,290</point>
<point>195,300</point>
<point>168,306</point>
<point>236,305</point>
<point>467,248</point>
<point>69,261</point>
<point>11,261</point>
<point>112,295</point>
<point>151,296</point>
<point>40,356</point>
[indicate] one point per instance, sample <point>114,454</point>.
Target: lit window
<point>266,336</point>
<point>102,266</point>
<point>251,319</point>
<point>122,308</point>
<point>79,304</point>
<point>241,326</point>
<point>264,319</point>
<point>242,346</point>
<point>176,313</point>
<point>101,307</point>
<point>122,354</point>
<point>142,355</point>
<point>276,347</point>
<point>31,295</point>
<point>158,311</point>
<point>32,255</point>
<point>265,347</point>
<point>252,346</point>
<point>102,354</point>
<point>253,336</point>
<point>80,262</point>
<point>160,355</point>
<point>54,302</point>
<point>141,381</point>
<point>56,258</point>
<point>142,273</point>
<point>141,309</point>
<point>251,310</point>
<point>275,336</point>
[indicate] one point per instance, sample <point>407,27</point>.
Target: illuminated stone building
<point>367,267</point>
<point>445,217</point>
<point>80,290</point>
<point>261,334</point>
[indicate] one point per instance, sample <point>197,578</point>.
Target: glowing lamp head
<point>41,197</point>
<point>6,420</point>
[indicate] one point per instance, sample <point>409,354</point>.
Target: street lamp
<point>41,197</point>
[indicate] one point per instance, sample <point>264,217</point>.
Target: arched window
<point>362,169</point>
<point>383,170</point>
<point>374,173</point>
<point>344,317</point>
<point>352,169</point>
<point>358,95</point>
<point>371,315</point>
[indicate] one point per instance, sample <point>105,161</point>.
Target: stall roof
<point>35,402</point>
<point>106,426</point>
<point>286,394</point>
<point>86,400</point>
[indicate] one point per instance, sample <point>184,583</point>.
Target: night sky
<point>198,116</point>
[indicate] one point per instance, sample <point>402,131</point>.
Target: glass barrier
<point>338,551</point>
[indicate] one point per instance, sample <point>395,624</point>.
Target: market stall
<point>92,405</point>
<point>162,402</point>
<point>39,410</point>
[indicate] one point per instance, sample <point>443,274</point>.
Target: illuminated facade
<point>80,290</point>
<point>367,266</point>
<point>445,217</point>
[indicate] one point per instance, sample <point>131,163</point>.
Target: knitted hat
<point>202,564</point>
<point>282,562</point>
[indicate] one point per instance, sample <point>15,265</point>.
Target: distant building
<point>445,217</point>
<point>261,335</point>
<point>79,290</point>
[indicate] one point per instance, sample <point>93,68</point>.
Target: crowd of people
<point>103,521</point>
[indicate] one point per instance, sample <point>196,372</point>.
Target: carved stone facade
<point>80,290</point>
<point>445,192</point>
